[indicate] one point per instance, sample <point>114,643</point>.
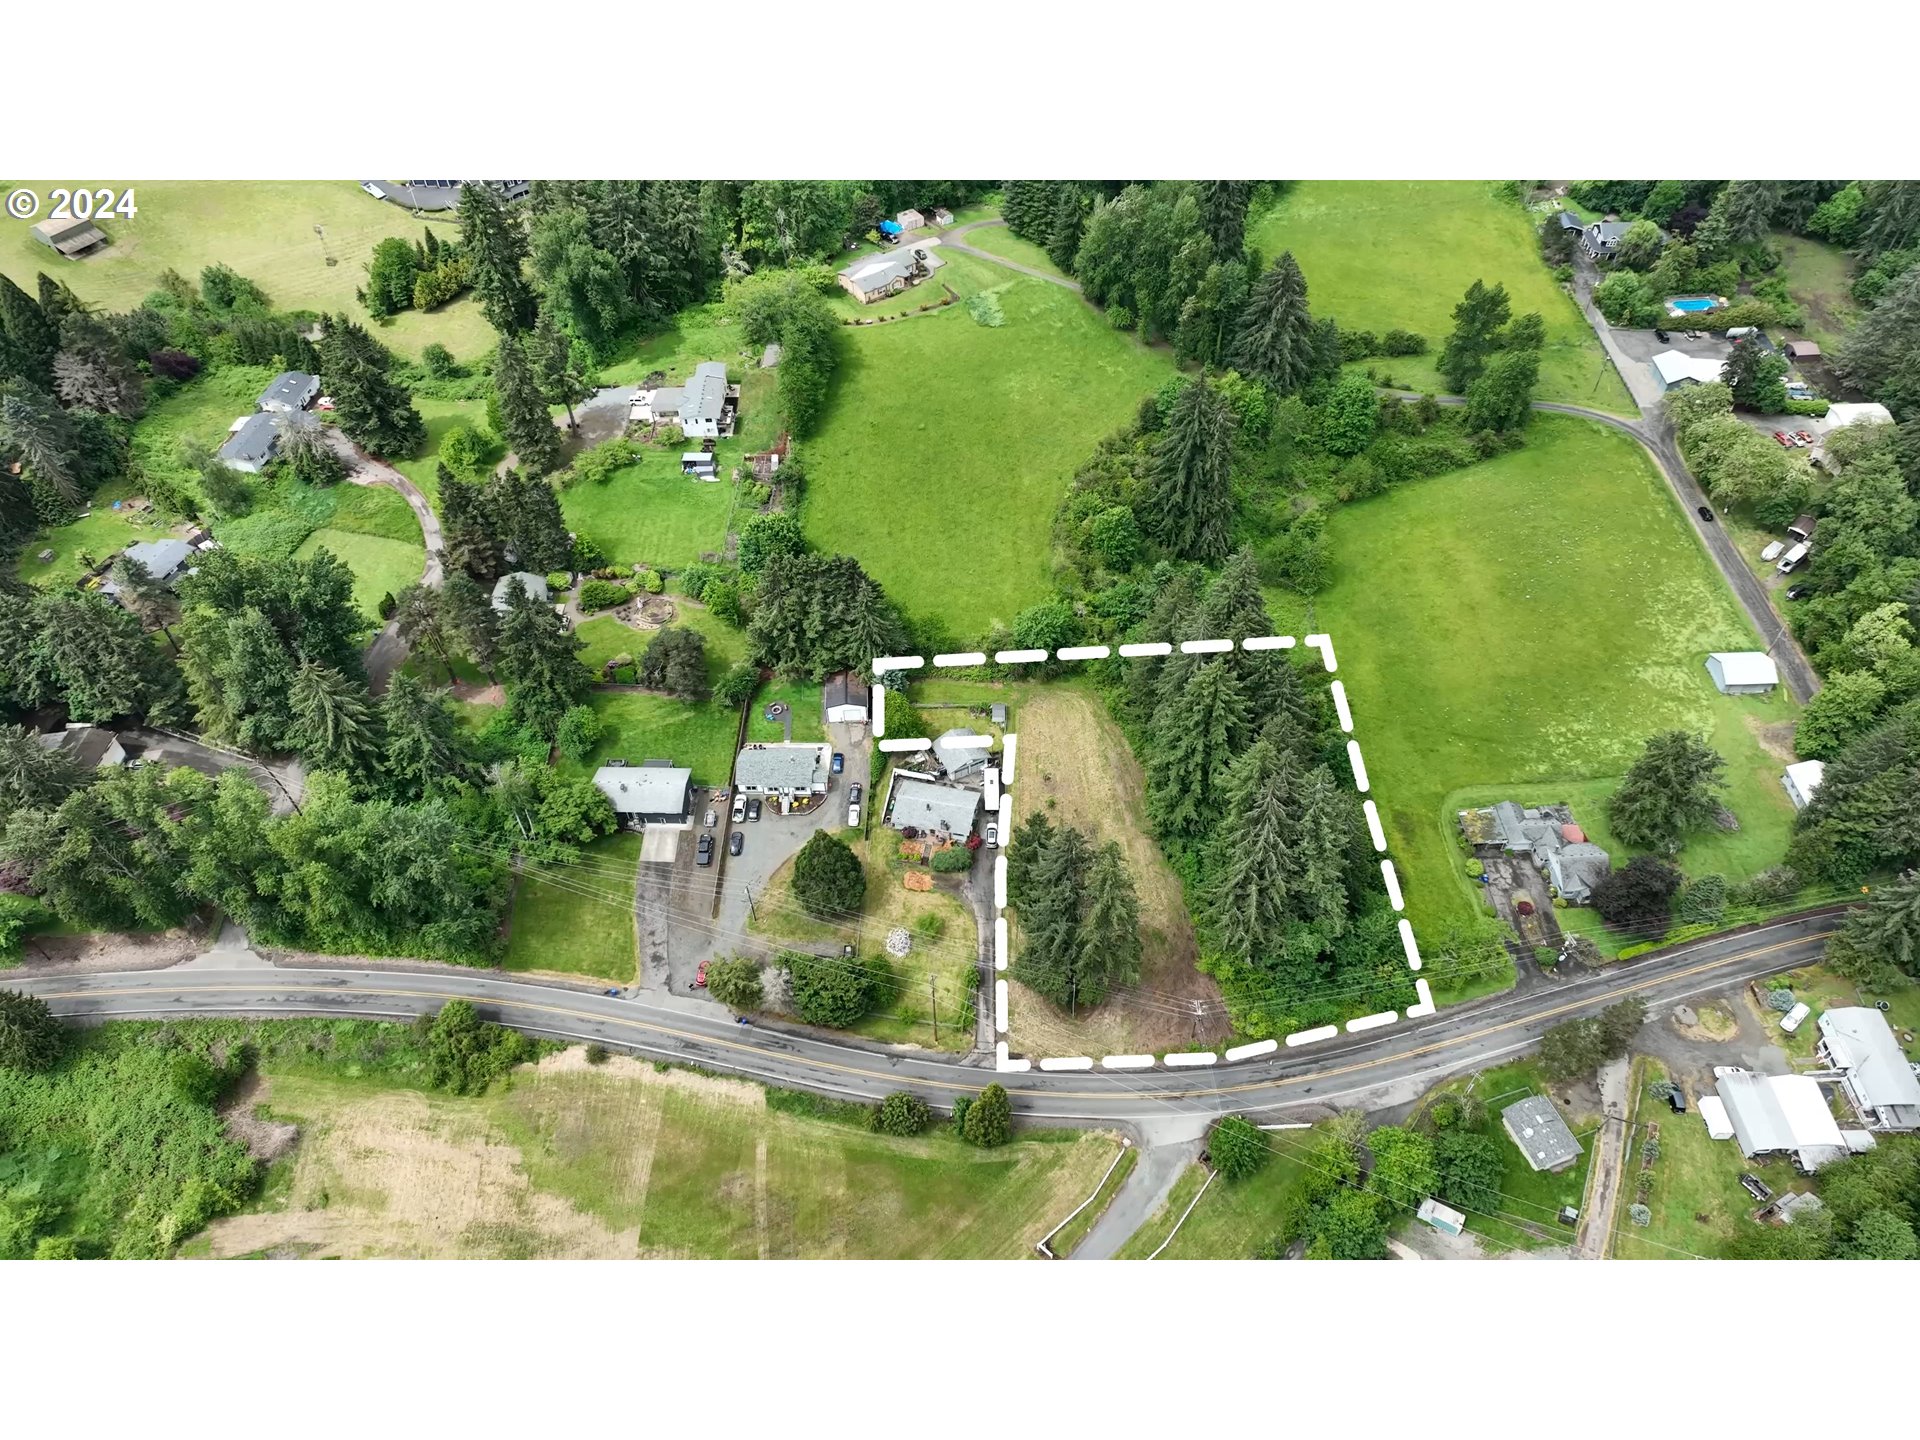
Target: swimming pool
<point>1692,304</point>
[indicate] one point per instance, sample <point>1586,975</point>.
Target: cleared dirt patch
<point>1075,765</point>
<point>266,1140</point>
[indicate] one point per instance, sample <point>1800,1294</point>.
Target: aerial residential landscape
<point>966,719</point>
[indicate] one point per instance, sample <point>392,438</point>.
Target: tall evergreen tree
<point>93,372</point>
<point>43,436</point>
<point>527,427</point>
<point>1110,931</point>
<point>31,340</point>
<point>1050,920</point>
<point>421,751</point>
<point>421,619</point>
<point>495,246</point>
<point>33,777</point>
<point>471,620</point>
<point>1065,225</point>
<point>1194,738</point>
<point>372,408</point>
<point>1476,327</point>
<point>1672,788</point>
<point>559,376</point>
<point>473,541</point>
<point>1223,213</point>
<point>1879,945</point>
<point>334,728</point>
<point>1190,492</point>
<point>1277,341</point>
<point>539,663</point>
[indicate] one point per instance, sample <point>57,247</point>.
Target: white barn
<point>1802,778</point>
<point>1743,672</point>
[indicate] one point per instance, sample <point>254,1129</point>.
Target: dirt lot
<point>1074,764</point>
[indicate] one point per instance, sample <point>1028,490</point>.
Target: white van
<point>1791,560</point>
<point>1794,1018</point>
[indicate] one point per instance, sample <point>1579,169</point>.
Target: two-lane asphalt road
<point>690,1032</point>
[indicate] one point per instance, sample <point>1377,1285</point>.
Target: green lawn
<point>947,445</point>
<point>1822,989</point>
<point>695,733</point>
<point>265,230</point>
<point>1519,628</point>
<point>998,240</point>
<point>1075,1230</point>
<point>440,417</point>
<point>102,534</point>
<point>1234,1218</point>
<point>648,513</point>
<point>380,566</point>
<point>1382,254</point>
<point>802,697</point>
<point>1820,277</point>
<point>578,919</point>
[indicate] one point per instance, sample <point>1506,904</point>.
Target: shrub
<point>756,494</point>
<point>466,451</point>
<point>1236,1148</point>
<point>831,989</point>
<point>901,1113</point>
<point>603,594</point>
<point>559,580</point>
<point>1661,1089</point>
<point>1403,342</point>
<point>960,1108</point>
<point>952,861</point>
<point>1815,408</point>
<point>586,554</point>
<point>438,361</point>
<point>827,878</point>
<point>1640,1215</point>
<point>596,1054</point>
<point>1651,1150</point>
<point>736,687</point>
<point>387,606</point>
<point>1781,1000</point>
<point>194,1078</point>
<point>1120,317</point>
<point>651,582</point>
<point>1772,886</point>
<point>735,983</point>
<point>465,1054</point>
<point>31,1038</point>
<point>580,729</point>
<point>1632,950</point>
<point>989,1119</point>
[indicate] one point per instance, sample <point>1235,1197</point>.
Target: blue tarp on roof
<point>889,227</point>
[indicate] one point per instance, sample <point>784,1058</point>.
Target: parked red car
<point>700,977</point>
<point>1784,438</point>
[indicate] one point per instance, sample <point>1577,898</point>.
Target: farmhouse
<point>1602,238</point>
<point>535,586</point>
<point>1743,672</point>
<point>88,746</point>
<point>656,792</point>
<point>703,408</point>
<point>1576,868</point>
<point>252,443</point>
<point>1876,1076</point>
<point>794,774</point>
<point>1780,1115</point>
<point>72,238</point>
<point>1802,778</point>
<point>1548,837</point>
<point>847,698</point>
<point>1671,369</point>
<point>961,752</point>
<point>1543,1137</point>
<point>878,276</point>
<point>290,390</point>
<point>928,807</point>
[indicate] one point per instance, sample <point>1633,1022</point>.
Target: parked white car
<point>1795,1018</point>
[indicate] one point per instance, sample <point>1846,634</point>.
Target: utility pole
<point>933,1009</point>
<point>750,910</point>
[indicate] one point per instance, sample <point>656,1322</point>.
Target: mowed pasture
<point>1076,769</point>
<point>265,229</point>
<point>947,444</point>
<point>1518,629</point>
<point>1386,254</point>
<point>621,1160</point>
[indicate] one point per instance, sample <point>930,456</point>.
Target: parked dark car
<point>753,808</point>
<point>1799,592</point>
<point>705,853</point>
<point>735,841</point>
<point>1678,1100</point>
<point>1659,334</point>
<point>839,762</point>
<point>1705,512</point>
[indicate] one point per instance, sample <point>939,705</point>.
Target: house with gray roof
<point>923,804</point>
<point>657,792</point>
<point>165,560</point>
<point>795,774</point>
<point>1575,869</point>
<point>252,444</point>
<point>1534,1124</point>
<point>290,390</point>
<point>535,586</point>
<point>1602,237</point>
<point>704,407</point>
<point>1878,1080</point>
<point>1567,220</point>
<point>874,277</point>
<point>89,746</point>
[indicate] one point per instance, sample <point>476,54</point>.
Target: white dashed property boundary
<point>1178,1059</point>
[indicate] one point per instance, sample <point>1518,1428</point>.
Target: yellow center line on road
<point>889,1074</point>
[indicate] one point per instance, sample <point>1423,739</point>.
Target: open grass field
<point>1520,627</point>
<point>1076,768</point>
<point>1820,277</point>
<point>623,1160</point>
<point>1381,254</point>
<point>1697,1203</point>
<point>695,733</point>
<point>947,444</point>
<point>998,240</point>
<point>102,533</point>
<point>265,230</point>
<point>649,513</point>
<point>380,566</point>
<point>1233,1219</point>
<point>578,919</point>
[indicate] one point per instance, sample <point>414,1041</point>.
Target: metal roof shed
<point>1743,672</point>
